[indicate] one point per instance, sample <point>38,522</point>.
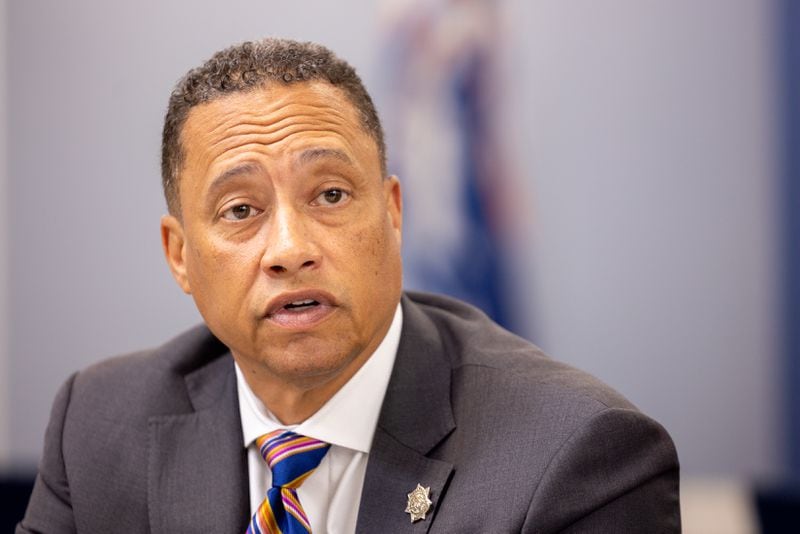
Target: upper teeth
<point>303,302</point>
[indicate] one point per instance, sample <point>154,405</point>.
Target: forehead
<point>274,116</point>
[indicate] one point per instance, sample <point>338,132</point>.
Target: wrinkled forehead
<point>277,125</point>
<point>274,108</point>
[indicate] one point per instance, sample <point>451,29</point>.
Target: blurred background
<point>614,180</point>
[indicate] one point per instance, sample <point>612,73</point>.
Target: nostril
<point>289,267</point>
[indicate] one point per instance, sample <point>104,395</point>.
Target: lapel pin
<point>418,503</point>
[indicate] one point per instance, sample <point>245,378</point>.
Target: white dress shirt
<point>331,494</point>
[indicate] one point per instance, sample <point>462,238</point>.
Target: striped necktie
<point>292,458</point>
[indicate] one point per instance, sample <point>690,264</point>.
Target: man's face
<point>290,236</point>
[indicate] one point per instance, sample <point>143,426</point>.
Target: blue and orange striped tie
<point>292,458</point>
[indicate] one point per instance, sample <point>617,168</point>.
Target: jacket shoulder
<point>482,354</point>
<point>556,433</point>
<point>145,382</point>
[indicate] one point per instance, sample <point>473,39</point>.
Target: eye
<point>332,196</point>
<point>240,212</point>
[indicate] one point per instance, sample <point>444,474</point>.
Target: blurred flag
<point>437,93</point>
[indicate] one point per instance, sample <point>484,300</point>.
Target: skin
<point>283,200</point>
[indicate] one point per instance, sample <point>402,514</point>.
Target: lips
<point>300,309</point>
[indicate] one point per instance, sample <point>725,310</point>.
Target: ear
<point>174,243</point>
<point>394,204</point>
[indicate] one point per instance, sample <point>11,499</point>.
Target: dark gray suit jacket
<point>507,439</point>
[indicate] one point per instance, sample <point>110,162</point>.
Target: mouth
<point>300,305</point>
<point>300,309</point>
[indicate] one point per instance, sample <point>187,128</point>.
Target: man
<point>405,412</point>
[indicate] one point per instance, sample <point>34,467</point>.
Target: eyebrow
<point>247,167</point>
<point>314,154</point>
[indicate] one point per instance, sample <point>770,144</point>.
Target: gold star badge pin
<point>418,503</point>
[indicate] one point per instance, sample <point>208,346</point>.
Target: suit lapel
<point>416,416</point>
<point>197,470</point>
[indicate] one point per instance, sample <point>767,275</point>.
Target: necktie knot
<point>291,458</point>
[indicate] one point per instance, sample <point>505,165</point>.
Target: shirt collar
<point>349,418</point>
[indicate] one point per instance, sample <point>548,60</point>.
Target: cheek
<point>216,269</point>
<point>378,254</point>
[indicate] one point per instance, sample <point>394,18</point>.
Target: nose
<point>290,247</point>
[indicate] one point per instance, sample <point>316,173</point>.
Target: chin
<point>313,362</point>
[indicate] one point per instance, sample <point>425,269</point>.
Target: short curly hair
<point>248,66</point>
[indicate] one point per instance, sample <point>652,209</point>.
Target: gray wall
<point>4,393</point>
<point>651,140</point>
<point>644,146</point>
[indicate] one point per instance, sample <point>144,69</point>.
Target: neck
<point>292,396</point>
<point>293,401</point>
<point>292,406</point>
